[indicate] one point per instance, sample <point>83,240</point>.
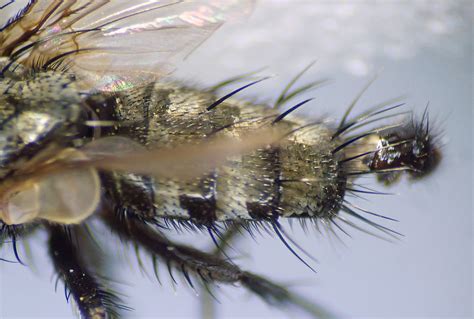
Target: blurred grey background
<point>421,48</point>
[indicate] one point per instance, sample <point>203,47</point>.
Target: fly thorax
<point>36,111</point>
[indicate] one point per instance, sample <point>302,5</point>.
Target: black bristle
<point>225,97</point>
<point>371,223</point>
<point>277,228</point>
<point>293,108</point>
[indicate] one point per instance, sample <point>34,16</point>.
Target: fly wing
<point>114,45</point>
<point>62,185</point>
<point>116,153</point>
<point>180,162</point>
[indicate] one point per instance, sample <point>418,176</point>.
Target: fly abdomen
<point>303,176</point>
<point>300,177</point>
<point>312,180</point>
<point>247,186</point>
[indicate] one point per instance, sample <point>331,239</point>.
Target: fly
<point>90,131</point>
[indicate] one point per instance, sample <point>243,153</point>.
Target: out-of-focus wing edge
<point>114,45</point>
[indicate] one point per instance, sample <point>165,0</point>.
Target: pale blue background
<point>429,272</point>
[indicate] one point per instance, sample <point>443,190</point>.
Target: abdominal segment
<point>300,177</point>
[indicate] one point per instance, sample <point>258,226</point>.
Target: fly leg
<point>92,299</point>
<point>208,267</point>
<point>223,243</point>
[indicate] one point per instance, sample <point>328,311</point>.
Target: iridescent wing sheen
<point>113,45</point>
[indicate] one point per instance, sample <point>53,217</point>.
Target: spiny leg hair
<point>210,268</point>
<point>92,299</point>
